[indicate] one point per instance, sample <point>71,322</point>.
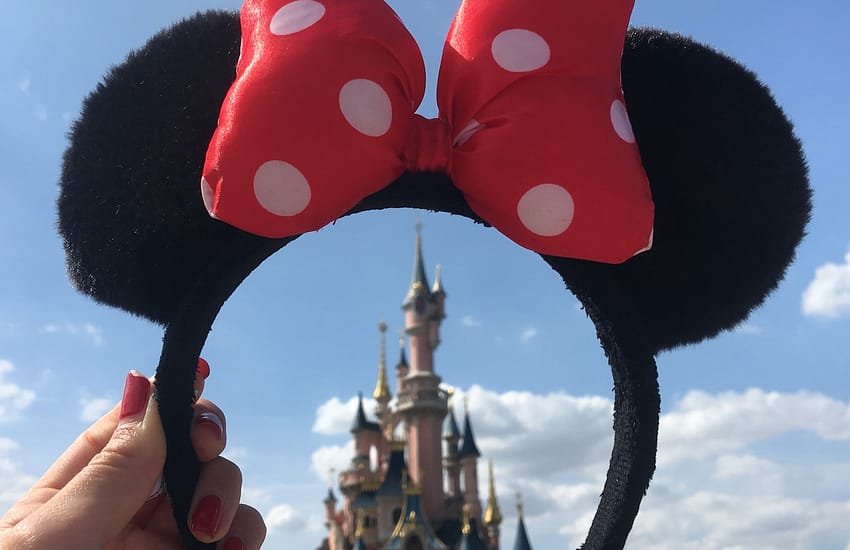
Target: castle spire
<point>382,388</point>
<point>521,542</point>
<point>493,516</point>
<point>419,281</point>
<point>468,446</point>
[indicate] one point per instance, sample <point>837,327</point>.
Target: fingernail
<point>135,397</point>
<point>203,368</point>
<point>234,543</point>
<point>207,516</point>
<point>211,421</point>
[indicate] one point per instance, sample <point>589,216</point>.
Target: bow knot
<point>533,127</point>
<point>429,147</point>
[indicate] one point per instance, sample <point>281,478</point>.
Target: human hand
<point>101,493</point>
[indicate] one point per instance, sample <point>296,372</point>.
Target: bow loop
<point>540,83</point>
<point>318,116</point>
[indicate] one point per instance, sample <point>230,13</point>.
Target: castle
<point>413,481</point>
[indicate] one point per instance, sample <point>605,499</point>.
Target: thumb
<point>99,502</point>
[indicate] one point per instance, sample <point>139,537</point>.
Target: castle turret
<point>469,455</point>
<point>492,515</point>
<point>521,542</point>
<point>451,461</point>
<point>330,507</point>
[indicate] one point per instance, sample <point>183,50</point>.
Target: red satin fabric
<point>533,126</point>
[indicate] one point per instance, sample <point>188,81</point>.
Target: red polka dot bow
<point>533,127</point>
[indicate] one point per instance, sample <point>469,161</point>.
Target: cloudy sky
<point>755,433</point>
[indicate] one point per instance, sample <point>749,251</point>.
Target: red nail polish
<point>203,368</point>
<point>135,398</point>
<point>207,516</point>
<point>211,421</point>
<point>234,543</point>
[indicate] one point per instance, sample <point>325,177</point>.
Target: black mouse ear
<point>730,187</point>
<point>130,210</point>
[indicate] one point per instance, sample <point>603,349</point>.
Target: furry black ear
<point>130,211</point>
<point>730,186</point>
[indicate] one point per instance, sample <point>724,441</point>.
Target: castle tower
<point>451,461</point>
<point>421,402</point>
<point>469,455</point>
<point>492,516</point>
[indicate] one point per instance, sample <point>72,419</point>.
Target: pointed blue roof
<point>419,281</point>
<point>468,447</point>
<point>360,422</point>
<point>451,430</point>
<point>392,484</point>
<point>521,541</point>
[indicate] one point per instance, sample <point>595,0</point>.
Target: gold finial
<point>467,527</point>
<point>493,516</point>
<point>382,387</point>
<point>358,530</point>
<point>438,283</point>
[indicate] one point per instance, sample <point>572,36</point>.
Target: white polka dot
<point>366,106</point>
<point>620,120</point>
<point>208,194</point>
<point>468,131</point>
<point>520,50</point>
<point>296,16</point>
<point>281,188</point>
<point>546,210</point>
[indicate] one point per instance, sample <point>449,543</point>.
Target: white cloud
<point>702,424</point>
<point>334,417</point>
<point>703,519</point>
<point>25,85</point>
<point>470,322</point>
<point>528,334</point>
<point>331,458</point>
<point>718,486</point>
<point>13,398</point>
<point>92,332</point>
<point>92,408</point>
<point>828,295</point>
<point>284,517</point>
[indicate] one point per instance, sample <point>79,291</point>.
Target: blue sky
<point>755,434</point>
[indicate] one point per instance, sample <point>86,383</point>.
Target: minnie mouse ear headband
<point>670,221</point>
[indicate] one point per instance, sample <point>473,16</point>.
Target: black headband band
<point>728,180</point>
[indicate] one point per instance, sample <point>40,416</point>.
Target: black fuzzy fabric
<point>727,174</point>
<point>135,232</point>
